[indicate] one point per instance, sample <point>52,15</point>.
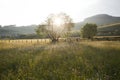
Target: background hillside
<point>100,20</point>
<point>109,30</point>
<point>17,31</point>
<point>107,25</point>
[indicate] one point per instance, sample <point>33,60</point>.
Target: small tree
<point>56,26</point>
<point>89,30</point>
<point>41,29</point>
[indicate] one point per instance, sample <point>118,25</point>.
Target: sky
<point>28,12</point>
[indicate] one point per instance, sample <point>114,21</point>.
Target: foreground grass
<point>62,61</point>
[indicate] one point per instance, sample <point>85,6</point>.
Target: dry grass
<point>84,60</point>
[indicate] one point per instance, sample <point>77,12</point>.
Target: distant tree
<point>56,25</point>
<point>89,30</point>
<point>41,31</point>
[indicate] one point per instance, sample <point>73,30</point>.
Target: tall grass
<point>61,61</point>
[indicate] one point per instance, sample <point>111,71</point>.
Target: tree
<point>41,29</point>
<point>89,30</point>
<point>56,25</point>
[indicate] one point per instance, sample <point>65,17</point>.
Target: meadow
<point>83,60</point>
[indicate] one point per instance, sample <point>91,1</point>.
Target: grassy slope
<point>110,27</point>
<point>109,30</point>
<point>62,61</point>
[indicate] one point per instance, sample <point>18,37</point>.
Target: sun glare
<point>58,21</point>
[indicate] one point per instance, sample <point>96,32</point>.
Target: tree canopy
<point>89,30</point>
<point>56,25</point>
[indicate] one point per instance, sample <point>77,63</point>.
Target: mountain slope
<point>102,19</point>
<point>109,30</point>
<point>13,31</point>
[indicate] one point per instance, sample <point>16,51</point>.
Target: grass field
<point>92,60</point>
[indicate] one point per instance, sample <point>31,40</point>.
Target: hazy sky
<point>27,12</point>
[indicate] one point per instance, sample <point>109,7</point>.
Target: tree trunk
<point>54,40</point>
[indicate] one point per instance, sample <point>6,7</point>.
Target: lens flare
<point>58,21</point>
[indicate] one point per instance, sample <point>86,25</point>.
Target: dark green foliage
<point>89,30</point>
<point>41,31</point>
<point>28,36</point>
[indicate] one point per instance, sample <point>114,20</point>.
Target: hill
<point>109,30</point>
<point>100,19</point>
<point>12,30</point>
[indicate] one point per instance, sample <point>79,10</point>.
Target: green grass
<point>61,61</point>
